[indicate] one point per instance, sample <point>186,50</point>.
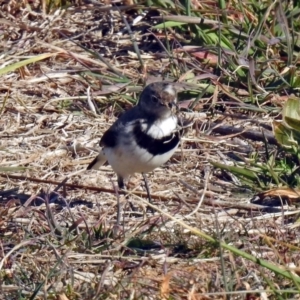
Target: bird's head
<point>159,99</point>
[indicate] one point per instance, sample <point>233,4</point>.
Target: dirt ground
<point>57,238</point>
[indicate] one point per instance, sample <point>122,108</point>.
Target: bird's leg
<point>148,192</point>
<point>121,186</point>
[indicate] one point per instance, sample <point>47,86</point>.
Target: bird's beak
<point>173,106</point>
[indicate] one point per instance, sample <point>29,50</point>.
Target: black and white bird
<point>145,136</point>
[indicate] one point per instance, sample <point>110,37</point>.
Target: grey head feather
<point>158,99</point>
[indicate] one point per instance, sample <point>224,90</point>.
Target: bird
<point>144,137</point>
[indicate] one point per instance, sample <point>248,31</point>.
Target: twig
<point>219,203</point>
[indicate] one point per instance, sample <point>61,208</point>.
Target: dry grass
<point>57,242</point>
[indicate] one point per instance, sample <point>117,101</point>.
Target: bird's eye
<point>154,99</point>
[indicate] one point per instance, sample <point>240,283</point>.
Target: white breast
<point>128,158</point>
<point>127,161</point>
<point>161,128</point>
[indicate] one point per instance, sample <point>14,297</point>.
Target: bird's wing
<point>109,139</point>
<point>111,136</point>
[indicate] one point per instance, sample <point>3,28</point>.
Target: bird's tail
<point>98,161</point>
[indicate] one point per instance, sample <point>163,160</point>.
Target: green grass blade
<point>25,62</point>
